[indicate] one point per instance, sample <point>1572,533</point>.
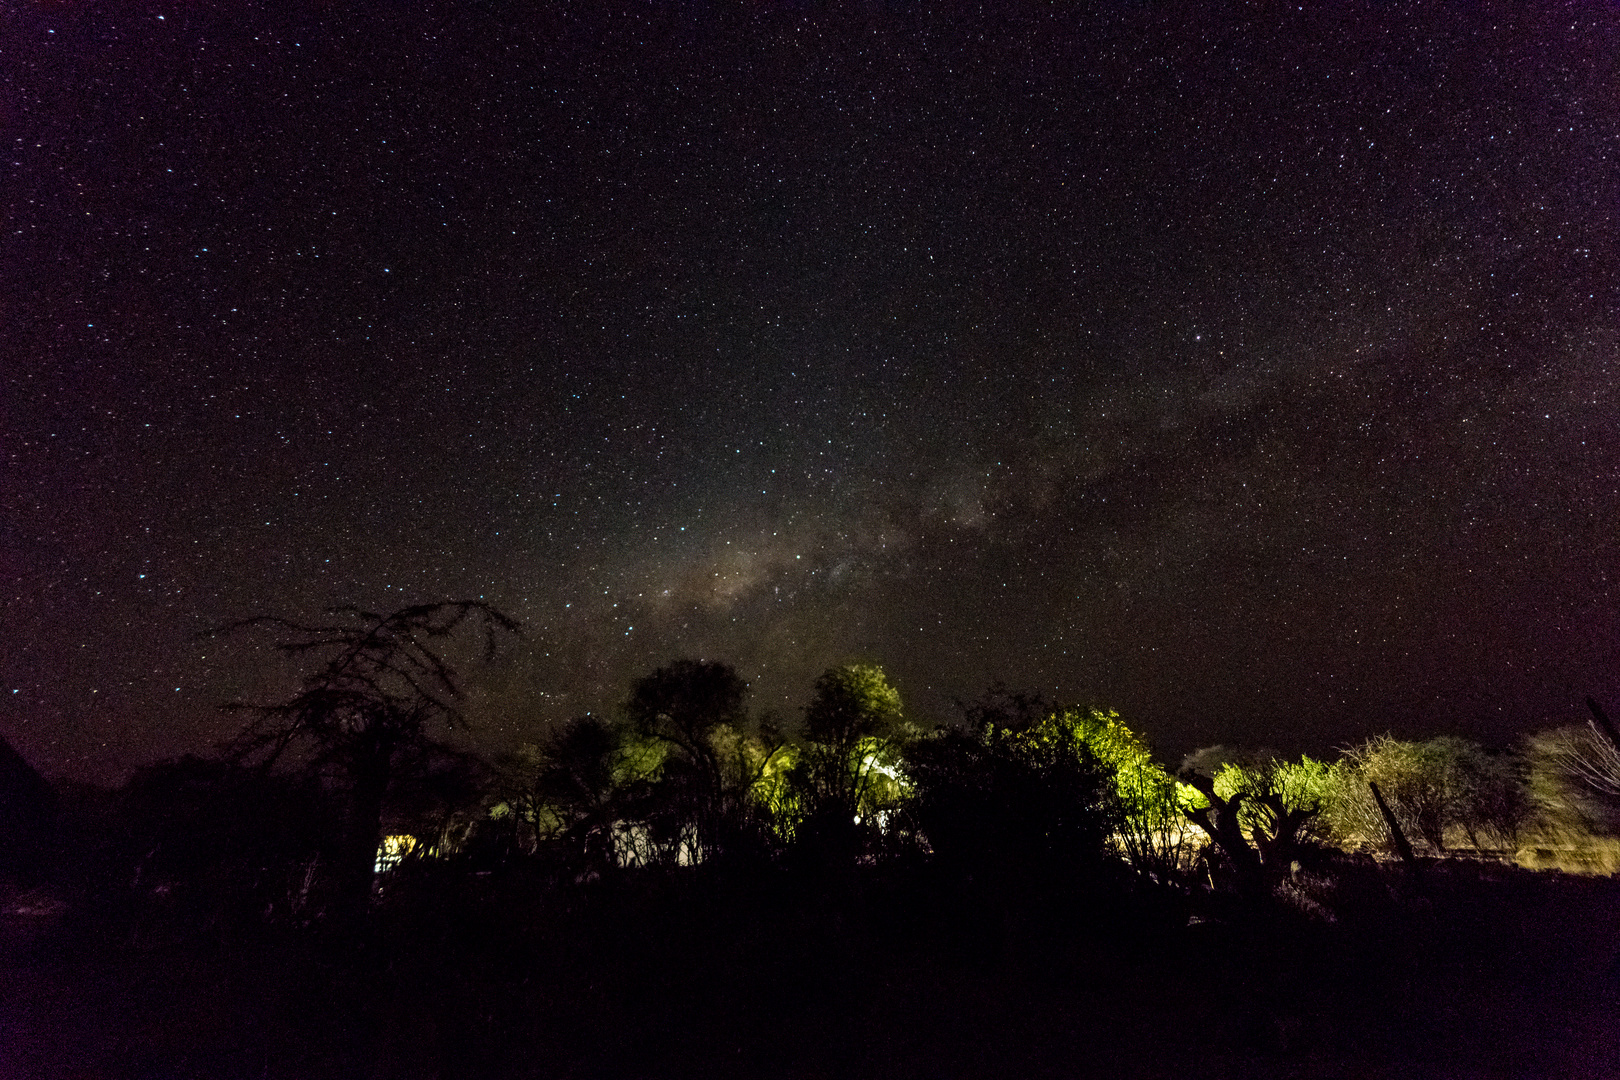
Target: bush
<point>1444,792</point>
<point>1032,805</point>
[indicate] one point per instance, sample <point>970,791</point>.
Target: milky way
<point>1251,373</point>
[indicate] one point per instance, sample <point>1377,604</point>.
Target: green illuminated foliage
<point>1444,792</point>
<point>686,777</point>
<point>853,703</point>
<point>704,801</point>
<point>1152,834</point>
<point>1279,804</point>
<point>1149,832</point>
<point>1418,780</point>
<point>847,773</point>
<point>777,792</point>
<point>1140,783</point>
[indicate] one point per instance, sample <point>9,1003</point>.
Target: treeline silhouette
<point>688,885</point>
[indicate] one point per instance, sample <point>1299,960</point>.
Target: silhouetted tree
<point>200,844</point>
<point>684,708</point>
<point>582,777</point>
<point>1026,802</point>
<point>1220,818</point>
<point>1276,805</point>
<point>684,703</point>
<point>704,803</point>
<point>439,796</point>
<point>1152,833</point>
<point>847,771</point>
<point>1006,710</point>
<point>380,691</point>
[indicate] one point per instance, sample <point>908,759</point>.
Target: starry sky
<point>1249,369</point>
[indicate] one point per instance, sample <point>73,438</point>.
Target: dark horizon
<point>1252,372</point>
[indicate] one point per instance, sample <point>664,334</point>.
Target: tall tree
<point>684,705</point>
<point>381,689</point>
<point>696,710</point>
<point>571,791</point>
<point>854,725</point>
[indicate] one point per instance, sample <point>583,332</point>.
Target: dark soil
<point>1475,971</point>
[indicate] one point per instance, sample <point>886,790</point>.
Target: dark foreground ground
<point>1480,971</point>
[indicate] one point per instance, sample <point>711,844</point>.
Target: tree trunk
<point>362,830</point>
<point>1395,833</point>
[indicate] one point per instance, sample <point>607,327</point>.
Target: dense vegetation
<point>690,885</point>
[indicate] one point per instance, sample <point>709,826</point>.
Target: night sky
<point>1251,370</point>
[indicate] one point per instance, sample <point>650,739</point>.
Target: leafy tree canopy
<point>852,703</point>
<point>686,701</point>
